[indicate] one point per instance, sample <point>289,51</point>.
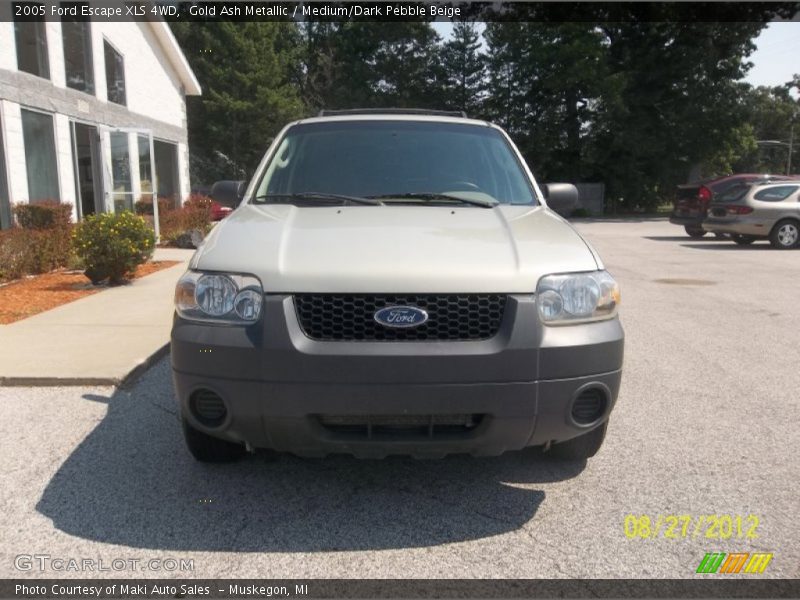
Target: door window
<point>121,172</point>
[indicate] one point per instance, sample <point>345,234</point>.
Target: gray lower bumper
<point>276,383</point>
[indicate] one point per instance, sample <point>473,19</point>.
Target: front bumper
<point>278,385</point>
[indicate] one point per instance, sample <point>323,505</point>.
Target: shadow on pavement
<point>132,482</point>
<point>685,238</point>
<point>751,248</point>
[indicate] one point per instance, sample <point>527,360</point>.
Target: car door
<point>776,202</point>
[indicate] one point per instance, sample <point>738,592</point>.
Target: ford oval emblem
<point>401,316</point>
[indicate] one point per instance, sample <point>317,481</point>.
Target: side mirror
<point>561,197</point>
<point>228,193</point>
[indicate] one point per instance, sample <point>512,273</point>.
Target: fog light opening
<point>208,408</point>
<point>589,406</point>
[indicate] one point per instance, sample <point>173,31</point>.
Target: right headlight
<point>219,297</point>
<point>568,298</point>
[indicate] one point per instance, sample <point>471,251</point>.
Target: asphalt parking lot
<point>705,424</point>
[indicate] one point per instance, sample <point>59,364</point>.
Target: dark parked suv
<point>692,200</point>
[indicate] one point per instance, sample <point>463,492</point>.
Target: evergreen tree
<point>248,73</point>
<point>463,68</point>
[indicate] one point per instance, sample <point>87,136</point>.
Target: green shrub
<point>111,246</point>
<point>33,251</point>
<point>43,215</point>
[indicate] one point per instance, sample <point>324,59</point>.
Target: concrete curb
<point>121,382</point>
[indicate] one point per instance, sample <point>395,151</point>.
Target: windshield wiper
<point>431,196</point>
<point>317,196</point>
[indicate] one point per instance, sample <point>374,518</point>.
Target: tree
<point>249,75</point>
<point>463,68</point>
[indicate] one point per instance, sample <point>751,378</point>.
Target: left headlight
<point>219,297</point>
<point>577,297</point>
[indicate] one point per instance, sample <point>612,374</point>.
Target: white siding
<point>15,157</point>
<point>66,173</point>
<point>151,87</point>
<point>8,48</point>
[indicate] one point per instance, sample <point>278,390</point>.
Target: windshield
<point>408,161</point>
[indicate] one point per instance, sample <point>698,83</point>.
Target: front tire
<point>694,231</point>
<point>743,240</point>
<point>785,234</point>
<point>206,448</point>
<point>582,447</point>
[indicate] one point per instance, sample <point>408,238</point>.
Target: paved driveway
<point>705,424</point>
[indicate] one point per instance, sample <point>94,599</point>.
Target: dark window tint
<point>733,193</point>
<point>32,47</point>
<point>386,158</point>
<point>115,74</point>
<point>78,56</point>
<point>40,156</point>
<point>775,194</point>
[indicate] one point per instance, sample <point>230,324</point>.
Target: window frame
<point>107,45</point>
<point>795,187</point>
<point>54,134</point>
<point>42,46</point>
<point>88,56</point>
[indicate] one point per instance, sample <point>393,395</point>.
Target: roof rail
<point>392,111</point>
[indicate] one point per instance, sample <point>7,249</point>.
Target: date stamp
<point>685,526</point>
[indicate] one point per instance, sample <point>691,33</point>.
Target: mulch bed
<point>26,297</point>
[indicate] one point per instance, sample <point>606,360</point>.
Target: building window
<point>121,172</point>
<point>145,165</point>
<point>32,47</point>
<point>78,55</point>
<point>40,156</point>
<point>115,74</point>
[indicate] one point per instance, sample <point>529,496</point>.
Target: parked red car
<point>218,211</point>
<point>692,200</point>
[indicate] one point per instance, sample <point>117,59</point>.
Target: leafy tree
<point>249,74</point>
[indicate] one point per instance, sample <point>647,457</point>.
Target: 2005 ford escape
<point>395,283</point>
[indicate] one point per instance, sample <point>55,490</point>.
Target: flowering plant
<point>111,246</point>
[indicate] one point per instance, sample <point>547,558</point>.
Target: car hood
<point>411,249</point>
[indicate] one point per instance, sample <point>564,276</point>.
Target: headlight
<point>577,297</point>
<point>219,297</point>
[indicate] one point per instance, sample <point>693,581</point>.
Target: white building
<point>91,113</point>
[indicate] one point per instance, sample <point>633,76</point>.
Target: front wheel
<point>785,234</point>
<point>206,448</point>
<point>694,231</point>
<point>743,240</point>
<point>582,447</point>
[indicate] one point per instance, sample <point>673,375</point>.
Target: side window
<point>733,193</point>
<point>775,194</point>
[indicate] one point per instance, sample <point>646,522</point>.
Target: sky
<point>775,61</point>
<point>777,58</point>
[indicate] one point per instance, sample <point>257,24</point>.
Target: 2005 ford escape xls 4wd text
<point>395,283</point>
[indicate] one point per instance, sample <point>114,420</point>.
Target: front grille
<point>400,426</point>
<point>452,317</point>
